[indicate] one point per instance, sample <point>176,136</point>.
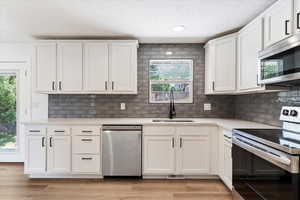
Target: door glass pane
<point>8,108</point>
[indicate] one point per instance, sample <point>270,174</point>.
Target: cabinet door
<point>35,154</point>
<point>70,67</point>
<point>209,67</point>
<point>227,178</point>
<point>123,68</point>
<point>95,67</point>
<point>225,64</point>
<point>158,155</point>
<point>194,155</point>
<point>278,22</point>
<point>297,16</point>
<point>250,43</point>
<point>59,154</point>
<point>45,67</point>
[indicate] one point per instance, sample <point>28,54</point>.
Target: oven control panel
<point>290,114</point>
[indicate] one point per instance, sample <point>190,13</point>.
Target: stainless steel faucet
<point>172,111</point>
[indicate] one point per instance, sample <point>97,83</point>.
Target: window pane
<point>7,113</point>
<point>171,70</point>
<point>160,92</point>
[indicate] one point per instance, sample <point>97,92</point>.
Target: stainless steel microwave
<point>280,63</point>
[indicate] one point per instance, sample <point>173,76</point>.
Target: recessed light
<point>179,28</point>
<point>169,53</point>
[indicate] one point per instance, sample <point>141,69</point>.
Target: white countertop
<point>224,123</point>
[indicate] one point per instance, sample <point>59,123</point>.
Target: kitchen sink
<point>172,120</point>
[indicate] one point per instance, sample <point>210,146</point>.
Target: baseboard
<point>62,176</point>
<point>199,177</point>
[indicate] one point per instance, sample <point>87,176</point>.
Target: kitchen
<point>98,113</point>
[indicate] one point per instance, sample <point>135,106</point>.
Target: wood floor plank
<point>14,185</point>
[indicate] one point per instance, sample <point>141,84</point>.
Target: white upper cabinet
<point>84,67</point>
<point>225,64</point>
<point>95,67</point>
<point>250,42</point>
<point>209,67</point>
<point>278,22</point>
<point>45,67</point>
<point>123,68</point>
<point>69,66</point>
<point>297,16</point>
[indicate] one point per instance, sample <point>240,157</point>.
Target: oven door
<point>262,174</point>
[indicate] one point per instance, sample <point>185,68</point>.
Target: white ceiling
<point>146,20</point>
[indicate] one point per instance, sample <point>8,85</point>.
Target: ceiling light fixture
<point>169,53</point>
<point>179,28</point>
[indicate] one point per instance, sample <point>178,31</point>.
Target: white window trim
<point>191,81</point>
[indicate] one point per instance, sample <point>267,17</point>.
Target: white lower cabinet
<point>225,158</point>
<point>59,154</point>
<point>198,146</point>
<point>49,150</point>
<point>35,154</point>
<point>184,150</point>
<point>85,164</point>
<point>159,154</point>
<point>227,178</point>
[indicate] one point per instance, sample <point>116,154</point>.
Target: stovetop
<point>280,139</point>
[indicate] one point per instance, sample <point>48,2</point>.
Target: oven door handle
<point>261,152</point>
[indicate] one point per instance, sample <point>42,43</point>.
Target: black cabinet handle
<point>86,158</point>
<point>180,143</point>
<point>173,142</point>
<point>105,85</point>
<point>59,85</point>
<point>286,27</point>
<point>86,131</point>
<point>59,131</point>
<point>86,140</point>
<point>298,24</point>
<point>53,85</point>
<point>34,131</point>
<point>43,141</point>
<point>213,86</point>
<point>112,85</point>
<point>50,142</point>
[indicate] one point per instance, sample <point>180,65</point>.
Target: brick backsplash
<point>265,108</point>
<point>89,106</point>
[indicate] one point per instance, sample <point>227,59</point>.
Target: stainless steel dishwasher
<point>122,150</point>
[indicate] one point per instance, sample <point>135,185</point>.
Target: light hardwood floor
<point>14,185</point>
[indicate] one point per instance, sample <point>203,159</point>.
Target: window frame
<point>190,82</point>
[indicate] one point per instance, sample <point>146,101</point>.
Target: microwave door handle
<point>260,152</point>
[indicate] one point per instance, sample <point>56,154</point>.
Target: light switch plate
<point>207,107</point>
<point>123,106</point>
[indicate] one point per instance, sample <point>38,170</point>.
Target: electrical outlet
<point>123,106</point>
<point>207,107</point>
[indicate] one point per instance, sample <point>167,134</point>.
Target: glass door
<point>8,113</point>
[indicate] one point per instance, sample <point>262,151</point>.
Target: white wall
<point>12,52</point>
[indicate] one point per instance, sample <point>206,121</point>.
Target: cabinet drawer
<point>86,130</point>
<point>86,144</point>
<point>35,130</point>
<point>86,164</point>
<point>59,130</point>
<point>159,130</point>
<point>194,130</point>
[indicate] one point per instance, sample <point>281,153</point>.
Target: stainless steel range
<point>266,161</point>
